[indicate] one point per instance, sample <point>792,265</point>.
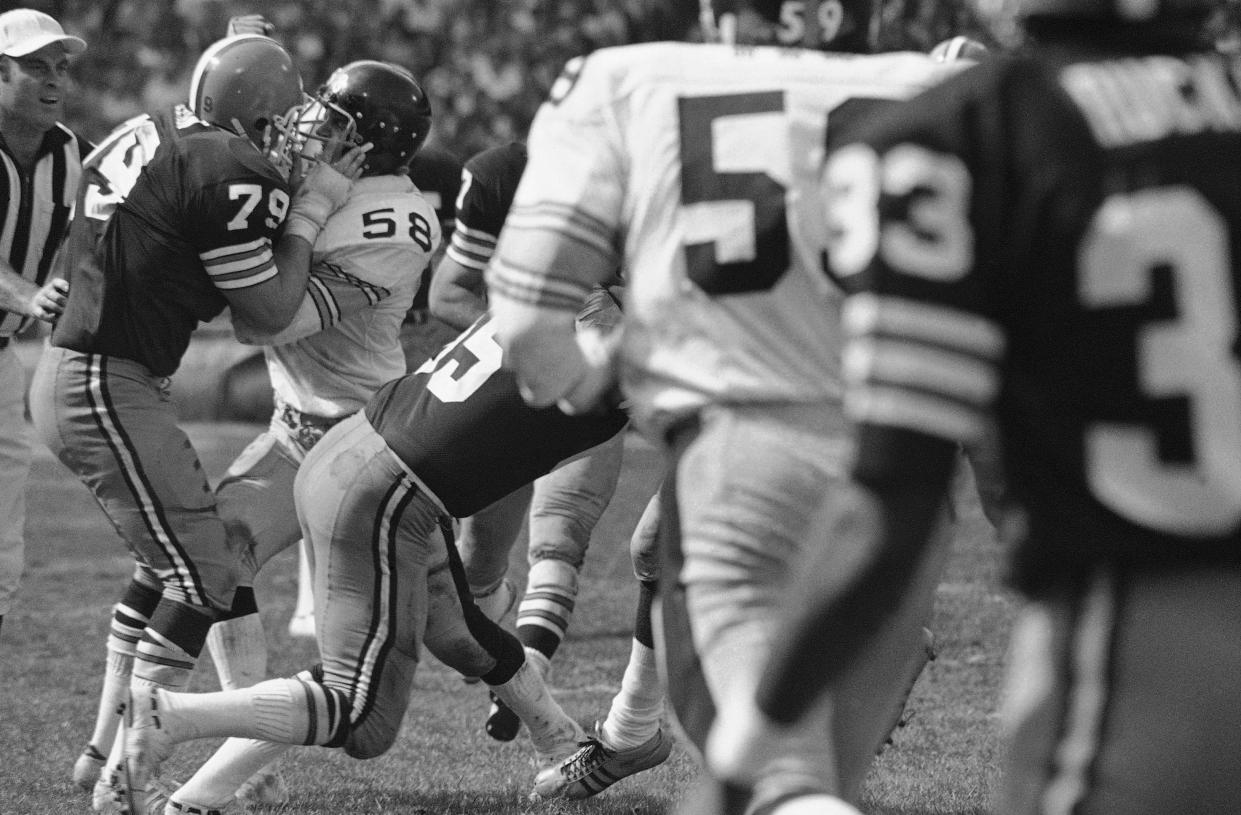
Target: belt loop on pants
<point>4,342</point>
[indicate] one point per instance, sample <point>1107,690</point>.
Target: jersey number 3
<point>1131,235</point>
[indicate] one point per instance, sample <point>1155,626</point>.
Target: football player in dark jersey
<point>563,507</point>
<point>1053,240</point>
<point>180,214</point>
<point>374,497</point>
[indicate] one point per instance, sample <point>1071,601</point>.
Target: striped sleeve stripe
<point>327,302</point>
<point>570,223</point>
<point>926,323</point>
<point>240,266</point>
<point>535,288</point>
<point>471,248</point>
<point>902,364</point>
<point>371,291</point>
<point>926,413</point>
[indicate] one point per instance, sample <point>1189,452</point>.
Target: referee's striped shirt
<point>34,208</point>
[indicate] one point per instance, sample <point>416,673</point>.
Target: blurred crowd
<point>486,64</point>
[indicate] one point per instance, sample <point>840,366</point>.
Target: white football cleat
<point>266,787</point>
<point>147,744</point>
<point>594,768</point>
<point>86,768</point>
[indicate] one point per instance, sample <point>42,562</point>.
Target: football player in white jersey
<point>694,168</point>
<point>368,263</point>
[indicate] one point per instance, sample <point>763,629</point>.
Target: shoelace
<point>586,760</point>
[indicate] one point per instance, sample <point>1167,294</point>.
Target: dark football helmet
<point>247,84</point>
<point>364,101</point>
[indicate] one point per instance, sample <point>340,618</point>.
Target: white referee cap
<point>24,31</point>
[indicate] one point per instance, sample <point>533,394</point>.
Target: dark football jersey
<point>489,182</point>
<point>460,424</point>
<point>437,174</point>
<point>171,212</point>
<point>1056,243</point>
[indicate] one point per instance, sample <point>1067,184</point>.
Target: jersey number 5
<point>736,229</point>
<point>462,368</point>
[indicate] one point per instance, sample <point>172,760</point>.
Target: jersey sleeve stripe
<point>925,413</point>
<point>472,249</point>
<point>325,303</point>
<point>536,288</point>
<point>938,325</point>
<point>258,276</point>
<point>327,286</point>
<point>241,265</point>
<point>475,238</point>
<point>569,223</point>
<point>239,249</point>
<point>901,364</point>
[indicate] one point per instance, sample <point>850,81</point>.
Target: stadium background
<point>485,63</point>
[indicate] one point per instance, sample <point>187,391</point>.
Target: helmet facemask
<point>317,131</point>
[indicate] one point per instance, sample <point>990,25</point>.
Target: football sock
<point>293,710</point>
<point>547,607</point>
<point>238,648</point>
<point>636,708</point>
<point>551,729</point>
<point>129,620</point>
<point>170,645</point>
<point>216,781</point>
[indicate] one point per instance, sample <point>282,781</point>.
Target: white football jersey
<point>695,168</point>
<point>368,262</point>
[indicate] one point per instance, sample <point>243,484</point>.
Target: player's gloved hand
<point>251,24</point>
<point>322,191</point>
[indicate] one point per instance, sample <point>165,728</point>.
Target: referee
<point>40,164</point>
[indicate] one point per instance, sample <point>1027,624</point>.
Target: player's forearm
<point>304,323</point>
<point>16,292</point>
<point>833,616</point>
<point>455,305</point>
<point>292,255</point>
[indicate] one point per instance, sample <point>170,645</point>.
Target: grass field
<point>51,661</point>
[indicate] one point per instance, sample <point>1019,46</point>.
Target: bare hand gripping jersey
<point>695,166</point>
<point>459,423</point>
<point>1098,318</point>
<point>197,209</point>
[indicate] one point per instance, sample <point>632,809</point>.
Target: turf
<point>51,661</point>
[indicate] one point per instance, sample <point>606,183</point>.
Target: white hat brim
<point>72,44</point>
